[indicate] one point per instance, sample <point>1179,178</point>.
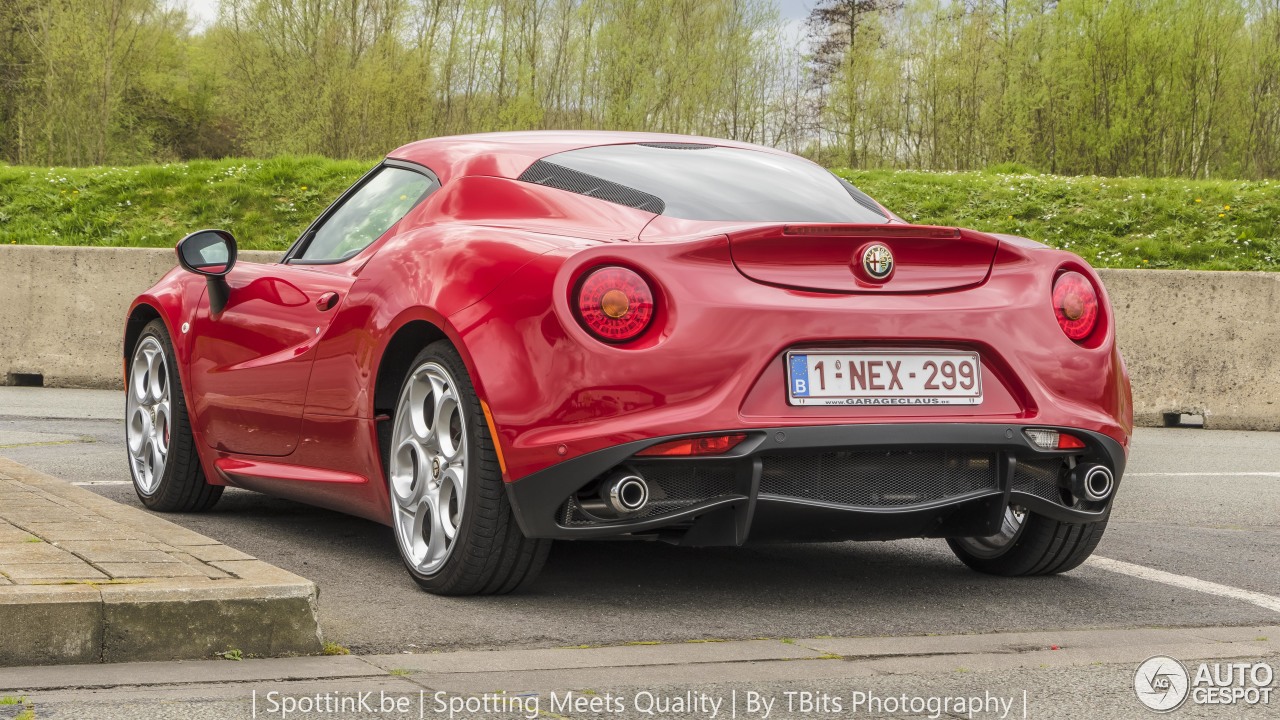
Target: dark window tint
<point>703,182</point>
<point>369,212</point>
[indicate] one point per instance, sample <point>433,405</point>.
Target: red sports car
<point>493,341</point>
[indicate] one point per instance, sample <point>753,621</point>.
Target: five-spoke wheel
<point>148,411</point>
<point>428,467</point>
<point>162,455</point>
<point>453,523</point>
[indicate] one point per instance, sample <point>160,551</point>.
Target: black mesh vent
<point>879,479</point>
<point>672,486</point>
<point>560,177</point>
<point>861,198</point>
<point>1039,478</point>
<point>677,145</point>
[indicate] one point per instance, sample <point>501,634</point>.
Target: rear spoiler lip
<point>932,232</point>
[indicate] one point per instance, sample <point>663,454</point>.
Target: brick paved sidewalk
<point>52,532</point>
<point>81,578</point>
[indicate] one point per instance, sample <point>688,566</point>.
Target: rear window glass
<point>705,182</point>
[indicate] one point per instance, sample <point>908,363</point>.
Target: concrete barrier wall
<point>1204,343</point>
<point>1201,343</point>
<point>62,309</point>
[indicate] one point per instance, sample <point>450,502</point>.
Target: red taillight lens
<point>1069,442</point>
<point>1075,303</point>
<point>615,303</point>
<point>716,445</point>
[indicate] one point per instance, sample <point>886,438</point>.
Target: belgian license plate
<point>890,377</point>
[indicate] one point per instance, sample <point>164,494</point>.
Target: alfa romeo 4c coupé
<point>493,341</point>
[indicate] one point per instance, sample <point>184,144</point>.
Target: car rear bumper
<point>824,483</point>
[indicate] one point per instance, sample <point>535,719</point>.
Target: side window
<point>366,215</point>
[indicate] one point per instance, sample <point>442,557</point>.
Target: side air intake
<point>562,178</point>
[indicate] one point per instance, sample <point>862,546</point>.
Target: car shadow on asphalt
<point>612,592</point>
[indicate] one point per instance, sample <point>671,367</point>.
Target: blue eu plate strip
<point>800,375</point>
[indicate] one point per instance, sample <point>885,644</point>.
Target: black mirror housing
<point>211,253</point>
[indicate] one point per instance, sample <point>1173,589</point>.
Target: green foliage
<point>1185,88</point>
<point>265,203</point>
<point>333,648</point>
<point>1166,88</point>
<point>1111,222</point>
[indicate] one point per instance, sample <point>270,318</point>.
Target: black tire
<point>182,486</point>
<point>490,554</point>
<point>1042,546</point>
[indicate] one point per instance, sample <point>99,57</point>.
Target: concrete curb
<point>479,672</point>
<point>79,583</point>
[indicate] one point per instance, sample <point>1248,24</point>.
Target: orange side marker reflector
<point>493,433</point>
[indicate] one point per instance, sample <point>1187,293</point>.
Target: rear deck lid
<point>864,258</point>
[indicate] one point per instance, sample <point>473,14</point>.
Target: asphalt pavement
<point>1194,541</point>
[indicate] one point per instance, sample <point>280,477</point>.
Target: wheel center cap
<point>435,467</point>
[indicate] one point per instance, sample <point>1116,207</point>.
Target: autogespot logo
<point>1162,683</point>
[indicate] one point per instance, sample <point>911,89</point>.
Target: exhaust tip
<point>627,493</point>
<point>1094,483</point>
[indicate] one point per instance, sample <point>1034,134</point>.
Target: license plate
<point>892,377</point>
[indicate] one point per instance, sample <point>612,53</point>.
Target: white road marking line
<point>1261,473</point>
<point>104,482</point>
<point>1269,602</point>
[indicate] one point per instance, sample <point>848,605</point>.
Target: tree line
<point>1115,87</point>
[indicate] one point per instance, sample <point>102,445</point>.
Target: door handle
<point>327,301</point>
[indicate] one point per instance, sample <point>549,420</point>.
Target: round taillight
<point>1075,303</point>
<point>615,303</point>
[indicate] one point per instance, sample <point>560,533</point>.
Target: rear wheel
<point>1029,544</point>
<point>453,523</point>
<point>162,452</point>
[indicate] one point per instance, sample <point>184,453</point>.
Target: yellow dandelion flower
<point>1226,207</point>
<point>1222,214</point>
<point>1197,199</point>
<point>304,187</point>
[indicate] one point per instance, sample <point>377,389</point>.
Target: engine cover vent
<point>562,178</point>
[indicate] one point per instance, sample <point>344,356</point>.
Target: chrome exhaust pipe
<point>1091,482</point>
<point>626,493</point>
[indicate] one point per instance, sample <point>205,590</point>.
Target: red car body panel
<point>282,391</point>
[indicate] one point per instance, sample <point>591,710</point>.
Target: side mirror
<point>211,253</point>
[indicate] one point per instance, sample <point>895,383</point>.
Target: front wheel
<point>453,523</point>
<point>162,451</point>
<point>1029,544</point>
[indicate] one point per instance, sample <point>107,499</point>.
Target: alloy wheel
<point>149,414</point>
<point>428,467</point>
